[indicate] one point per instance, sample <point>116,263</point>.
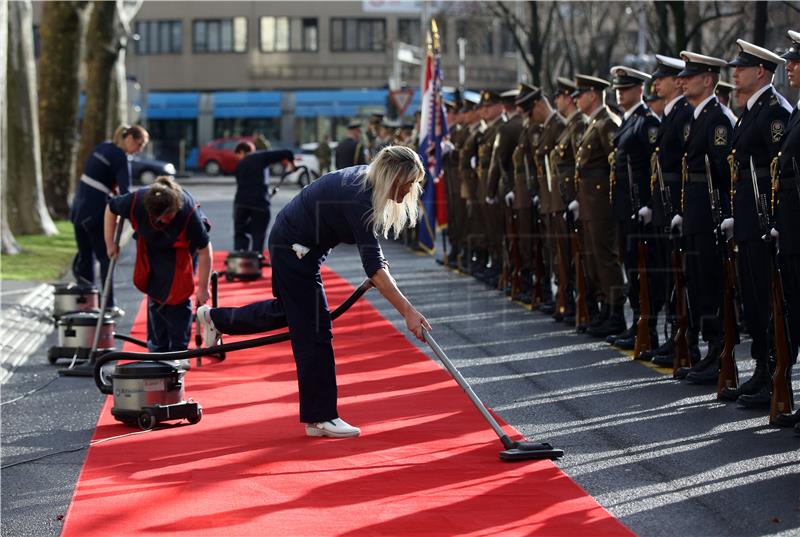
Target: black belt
<point>593,174</point>
<point>743,174</point>
<point>670,177</point>
<point>566,170</point>
<point>698,178</point>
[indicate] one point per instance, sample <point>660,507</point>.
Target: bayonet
<point>761,206</point>
<point>547,172</point>
<point>666,198</point>
<point>632,188</point>
<point>796,176</point>
<point>713,196</point>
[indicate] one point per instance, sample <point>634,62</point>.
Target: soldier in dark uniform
<point>710,133</point>
<point>562,161</point>
<point>492,112</point>
<point>501,172</point>
<point>757,138</point>
<point>591,206</point>
<point>655,103</point>
<point>475,260</point>
<point>351,151</point>
<point>723,92</point>
<point>634,142</point>
<point>455,209</point>
<point>520,199</point>
<point>787,216</point>
<point>672,133</point>
<point>551,206</point>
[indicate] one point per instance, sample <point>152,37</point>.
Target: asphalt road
<point>665,457</point>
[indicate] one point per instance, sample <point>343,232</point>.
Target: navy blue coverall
<point>169,314</point>
<point>106,170</point>
<point>334,209</point>
<point>251,203</point>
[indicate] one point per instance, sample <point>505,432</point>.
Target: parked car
<point>306,156</point>
<point>217,156</point>
<point>145,169</point>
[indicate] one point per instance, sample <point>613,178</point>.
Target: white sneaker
<point>335,428</point>
<point>211,335</point>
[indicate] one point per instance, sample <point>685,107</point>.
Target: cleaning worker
<point>251,203</point>
<point>353,206</point>
<point>107,172</point>
<point>171,232</point>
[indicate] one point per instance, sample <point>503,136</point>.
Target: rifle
<point>781,401</point>
<point>681,358</point>
<point>728,371</point>
<point>537,295</point>
<point>581,306</point>
<point>642,342</point>
<point>563,279</point>
<point>512,262</point>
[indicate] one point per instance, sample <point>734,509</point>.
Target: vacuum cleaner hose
<point>216,352</point>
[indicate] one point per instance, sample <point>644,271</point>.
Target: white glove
<point>774,233</point>
<point>564,216</point>
<point>510,198</point>
<point>473,162</point>
<point>677,223</point>
<point>646,215</point>
<point>575,208</point>
<point>727,227</point>
<point>536,201</point>
<point>491,201</point>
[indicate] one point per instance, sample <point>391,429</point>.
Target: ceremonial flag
<point>433,130</point>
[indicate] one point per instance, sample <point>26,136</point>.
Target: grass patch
<point>42,258</point>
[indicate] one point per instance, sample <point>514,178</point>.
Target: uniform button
<point>597,187</point>
<point>588,146</point>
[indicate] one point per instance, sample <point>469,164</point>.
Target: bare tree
<point>118,100</point>
<point>61,32</point>
<point>8,245</point>
<point>26,211</point>
<point>101,55</point>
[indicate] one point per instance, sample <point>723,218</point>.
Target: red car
<point>217,156</point>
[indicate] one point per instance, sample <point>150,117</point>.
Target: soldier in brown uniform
<point>592,169</point>
<point>562,162</point>
<point>551,207</point>
<point>501,174</point>
<point>520,198</point>
<point>492,114</point>
<point>474,258</point>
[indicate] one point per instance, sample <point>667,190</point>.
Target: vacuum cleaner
<point>514,450</point>
<point>149,389</point>
<point>72,297</point>
<point>244,265</point>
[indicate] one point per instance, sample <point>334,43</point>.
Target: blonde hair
<point>137,131</point>
<point>401,164</point>
<point>163,197</point>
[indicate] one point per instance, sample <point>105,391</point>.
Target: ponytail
<point>164,196</point>
<point>137,131</point>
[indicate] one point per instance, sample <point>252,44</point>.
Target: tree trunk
<point>24,196</point>
<point>760,24</point>
<point>61,31</point>
<point>118,94</point>
<point>535,44</point>
<point>679,18</point>
<point>8,245</point>
<point>100,57</point>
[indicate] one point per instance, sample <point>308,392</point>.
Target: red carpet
<point>426,463</point>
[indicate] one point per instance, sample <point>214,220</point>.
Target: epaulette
<point>773,100</point>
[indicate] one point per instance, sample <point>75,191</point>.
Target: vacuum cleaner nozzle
<point>523,451</point>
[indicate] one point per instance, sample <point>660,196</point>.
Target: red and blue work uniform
<point>334,209</point>
<point>107,171</point>
<point>251,203</point>
<point>164,271</point>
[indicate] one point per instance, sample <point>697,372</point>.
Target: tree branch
<point>702,22</point>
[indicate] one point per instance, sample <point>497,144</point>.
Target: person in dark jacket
<point>251,203</point>
<point>351,206</point>
<point>351,150</point>
<point>106,172</point>
<point>170,231</point>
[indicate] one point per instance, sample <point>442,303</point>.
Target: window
<point>226,127</point>
<point>507,44</point>
<point>358,35</point>
<point>408,32</point>
<point>479,36</point>
<point>220,35</point>
<point>159,37</point>
<point>282,34</point>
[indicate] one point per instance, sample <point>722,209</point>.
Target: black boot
<point>752,386</point>
<point>615,323</point>
<point>598,317</point>
<point>706,371</point>
<point>630,334</point>
<point>760,399</point>
<point>666,349</point>
<point>787,420</point>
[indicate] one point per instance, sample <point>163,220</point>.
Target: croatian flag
<point>433,130</point>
